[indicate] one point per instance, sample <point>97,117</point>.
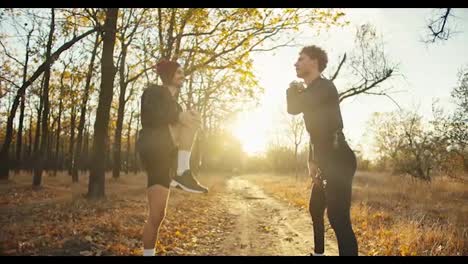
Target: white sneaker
<point>174,183</point>
<point>317,254</point>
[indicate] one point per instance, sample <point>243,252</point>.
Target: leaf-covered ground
<point>58,220</point>
<point>260,214</point>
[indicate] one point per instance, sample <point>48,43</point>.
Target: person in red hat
<point>165,143</point>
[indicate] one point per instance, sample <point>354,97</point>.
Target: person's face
<point>305,65</point>
<point>179,77</point>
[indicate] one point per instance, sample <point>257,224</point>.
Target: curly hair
<point>315,52</point>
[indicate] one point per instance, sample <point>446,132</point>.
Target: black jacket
<point>158,109</point>
<point>320,106</point>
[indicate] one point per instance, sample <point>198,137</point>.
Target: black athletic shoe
<point>187,182</point>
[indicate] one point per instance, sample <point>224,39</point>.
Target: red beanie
<point>166,70</point>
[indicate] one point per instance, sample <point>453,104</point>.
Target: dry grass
<point>393,215</point>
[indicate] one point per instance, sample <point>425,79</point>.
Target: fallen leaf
<point>9,252</point>
<point>86,253</point>
<point>178,250</point>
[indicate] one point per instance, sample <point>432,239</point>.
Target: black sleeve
<point>312,99</point>
<point>159,107</point>
<point>293,101</point>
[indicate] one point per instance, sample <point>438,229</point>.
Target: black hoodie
<point>320,106</point>
<point>159,109</point>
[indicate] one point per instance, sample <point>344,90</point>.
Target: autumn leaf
<point>86,253</point>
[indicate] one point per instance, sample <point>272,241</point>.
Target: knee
<point>339,220</point>
<point>315,213</point>
<point>311,211</point>
<point>334,220</point>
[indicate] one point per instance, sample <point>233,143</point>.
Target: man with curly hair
<point>332,163</point>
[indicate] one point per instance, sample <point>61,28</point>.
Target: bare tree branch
<point>438,28</point>
<point>339,68</point>
<point>369,63</point>
<point>9,81</point>
<point>9,55</point>
<point>363,88</point>
<point>388,96</point>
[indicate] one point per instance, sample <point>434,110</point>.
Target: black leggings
<point>337,168</point>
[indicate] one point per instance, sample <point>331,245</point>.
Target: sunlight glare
<point>251,130</point>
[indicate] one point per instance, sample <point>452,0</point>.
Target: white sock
<point>148,252</point>
<point>319,254</point>
<point>183,161</point>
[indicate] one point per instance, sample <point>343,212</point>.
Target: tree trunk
<point>28,158</point>
<point>87,142</point>
<point>12,153</point>
<point>85,151</point>
<point>50,142</point>
<point>120,116</point>
<point>72,140</point>
<point>61,156</point>
<point>40,159</point>
<point>4,157</point>
<point>19,141</point>
<point>97,172</point>
<point>127,163</point>
<point>37,134</point>
<point>79,141</point>
<point>59,130</point>
<point>135,163</point>
<point>19,137</point>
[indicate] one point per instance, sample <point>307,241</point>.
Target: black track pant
<point>337,167</point>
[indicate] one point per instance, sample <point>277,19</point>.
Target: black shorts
<point>158,156</point>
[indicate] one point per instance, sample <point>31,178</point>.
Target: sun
<point>251,130</point>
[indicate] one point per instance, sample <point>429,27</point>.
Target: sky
<point>429,72</point>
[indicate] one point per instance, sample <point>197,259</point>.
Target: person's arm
<point>312,99</point>
<point>159,108</point>
<point>294,104</point>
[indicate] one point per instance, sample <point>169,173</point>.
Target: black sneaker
<point>187,182</point>
<point>175,185</point>
<point>203,187</point>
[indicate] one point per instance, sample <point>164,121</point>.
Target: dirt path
<point>236,218</point>
<point>265,226</point>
